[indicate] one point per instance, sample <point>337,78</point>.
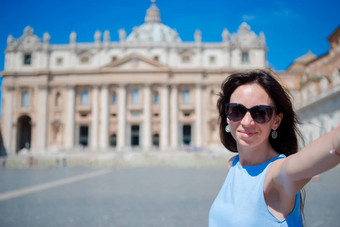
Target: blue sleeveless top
<point>241,200</point>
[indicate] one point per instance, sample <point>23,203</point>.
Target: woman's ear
<point>277,121</point>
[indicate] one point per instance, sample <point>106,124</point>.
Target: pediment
<point>135,62</point>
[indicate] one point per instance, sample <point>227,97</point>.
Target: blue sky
<point>291,27</point>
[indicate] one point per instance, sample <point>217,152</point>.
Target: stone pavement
<point>129,158</point>
<point>134,194</point>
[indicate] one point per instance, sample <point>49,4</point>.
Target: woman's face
<point>246,131</point>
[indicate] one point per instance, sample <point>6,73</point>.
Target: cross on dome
<point>153,30</point>
<point>153,14</point>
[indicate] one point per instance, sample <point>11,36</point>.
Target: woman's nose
<point>247,119</point>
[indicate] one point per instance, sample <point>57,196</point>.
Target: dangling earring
<point>274,134</point>
<point>227,128</point>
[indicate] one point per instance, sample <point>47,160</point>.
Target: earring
<point>227,128</point>
<point>274,134</point>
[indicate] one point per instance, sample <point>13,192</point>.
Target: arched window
<point>135,96</point>
<point>156,98</point>
<point>245,57</point>
<point>27,59</point>
<point>25,99</point>
<point>114,98</point>
<point>186,96</point>
<point>84,98</point>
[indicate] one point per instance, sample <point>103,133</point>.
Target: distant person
<point>3,155</point>
<point>265,178</point>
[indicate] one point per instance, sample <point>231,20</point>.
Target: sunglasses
<point>260,113</point>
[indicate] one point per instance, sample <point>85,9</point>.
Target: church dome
<point>153,30</point>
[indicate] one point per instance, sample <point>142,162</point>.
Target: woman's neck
<point>252,156</point>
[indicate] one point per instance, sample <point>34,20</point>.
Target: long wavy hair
<point>287,141</point>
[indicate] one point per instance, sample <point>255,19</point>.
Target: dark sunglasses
<point>260,114</point>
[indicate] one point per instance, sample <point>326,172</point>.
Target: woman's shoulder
<point>230,162</point>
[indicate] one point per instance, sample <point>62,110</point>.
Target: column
<point>165,117</point>
<point>94,121</point>
<point>70,114</point>
<point>8,117</point>
<point>42,117</point>
<point>147,117</point>
<point>174,116</point>
<point>198,114</point>
<point>104,116</point>
<point>121,116</point>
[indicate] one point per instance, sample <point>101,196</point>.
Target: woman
<point>263,184</point>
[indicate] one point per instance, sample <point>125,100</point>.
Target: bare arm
<point>295,171</point>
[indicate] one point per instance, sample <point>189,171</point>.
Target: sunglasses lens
<point>235,112</point>
<point>261,114</point>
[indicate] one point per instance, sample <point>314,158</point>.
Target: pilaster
<point>104,135</point>
<point>147,117</point>
<point>174,116</point>
<point>70,116</point>
<point>165,117</point>
<point>121,116</point>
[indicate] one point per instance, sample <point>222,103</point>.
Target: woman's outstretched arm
<point>296,170</point>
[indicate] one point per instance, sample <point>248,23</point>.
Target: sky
<point>291,27</point>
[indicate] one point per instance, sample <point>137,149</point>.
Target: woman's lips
<point>246,133</point>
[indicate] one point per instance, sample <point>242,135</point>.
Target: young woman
<point>263,184</point>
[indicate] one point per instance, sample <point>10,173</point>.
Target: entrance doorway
<point>113,140</point>
<point>134,135</point>
<point>24,133</point>
<point>84,135</point>
<point>155,140</point>
<point>186,134</point>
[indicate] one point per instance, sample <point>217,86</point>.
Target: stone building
<point>149,89</point>
<point>315,84</point>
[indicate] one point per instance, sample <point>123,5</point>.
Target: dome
<point>153,30</point>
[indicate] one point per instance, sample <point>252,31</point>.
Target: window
<point>135,96</point>
<point>156,98</point>
<point>25,99</point>
<point>84,98</point>
<point>186,59</point>
<point>27,59</point>
<point>212,59</point>
<point>114,99</point>
<point>59,61</point>
<point>186,97</point>
<point>245,57</point>
<point>84,60</point>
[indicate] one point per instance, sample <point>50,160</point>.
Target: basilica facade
<point>148,90</point>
